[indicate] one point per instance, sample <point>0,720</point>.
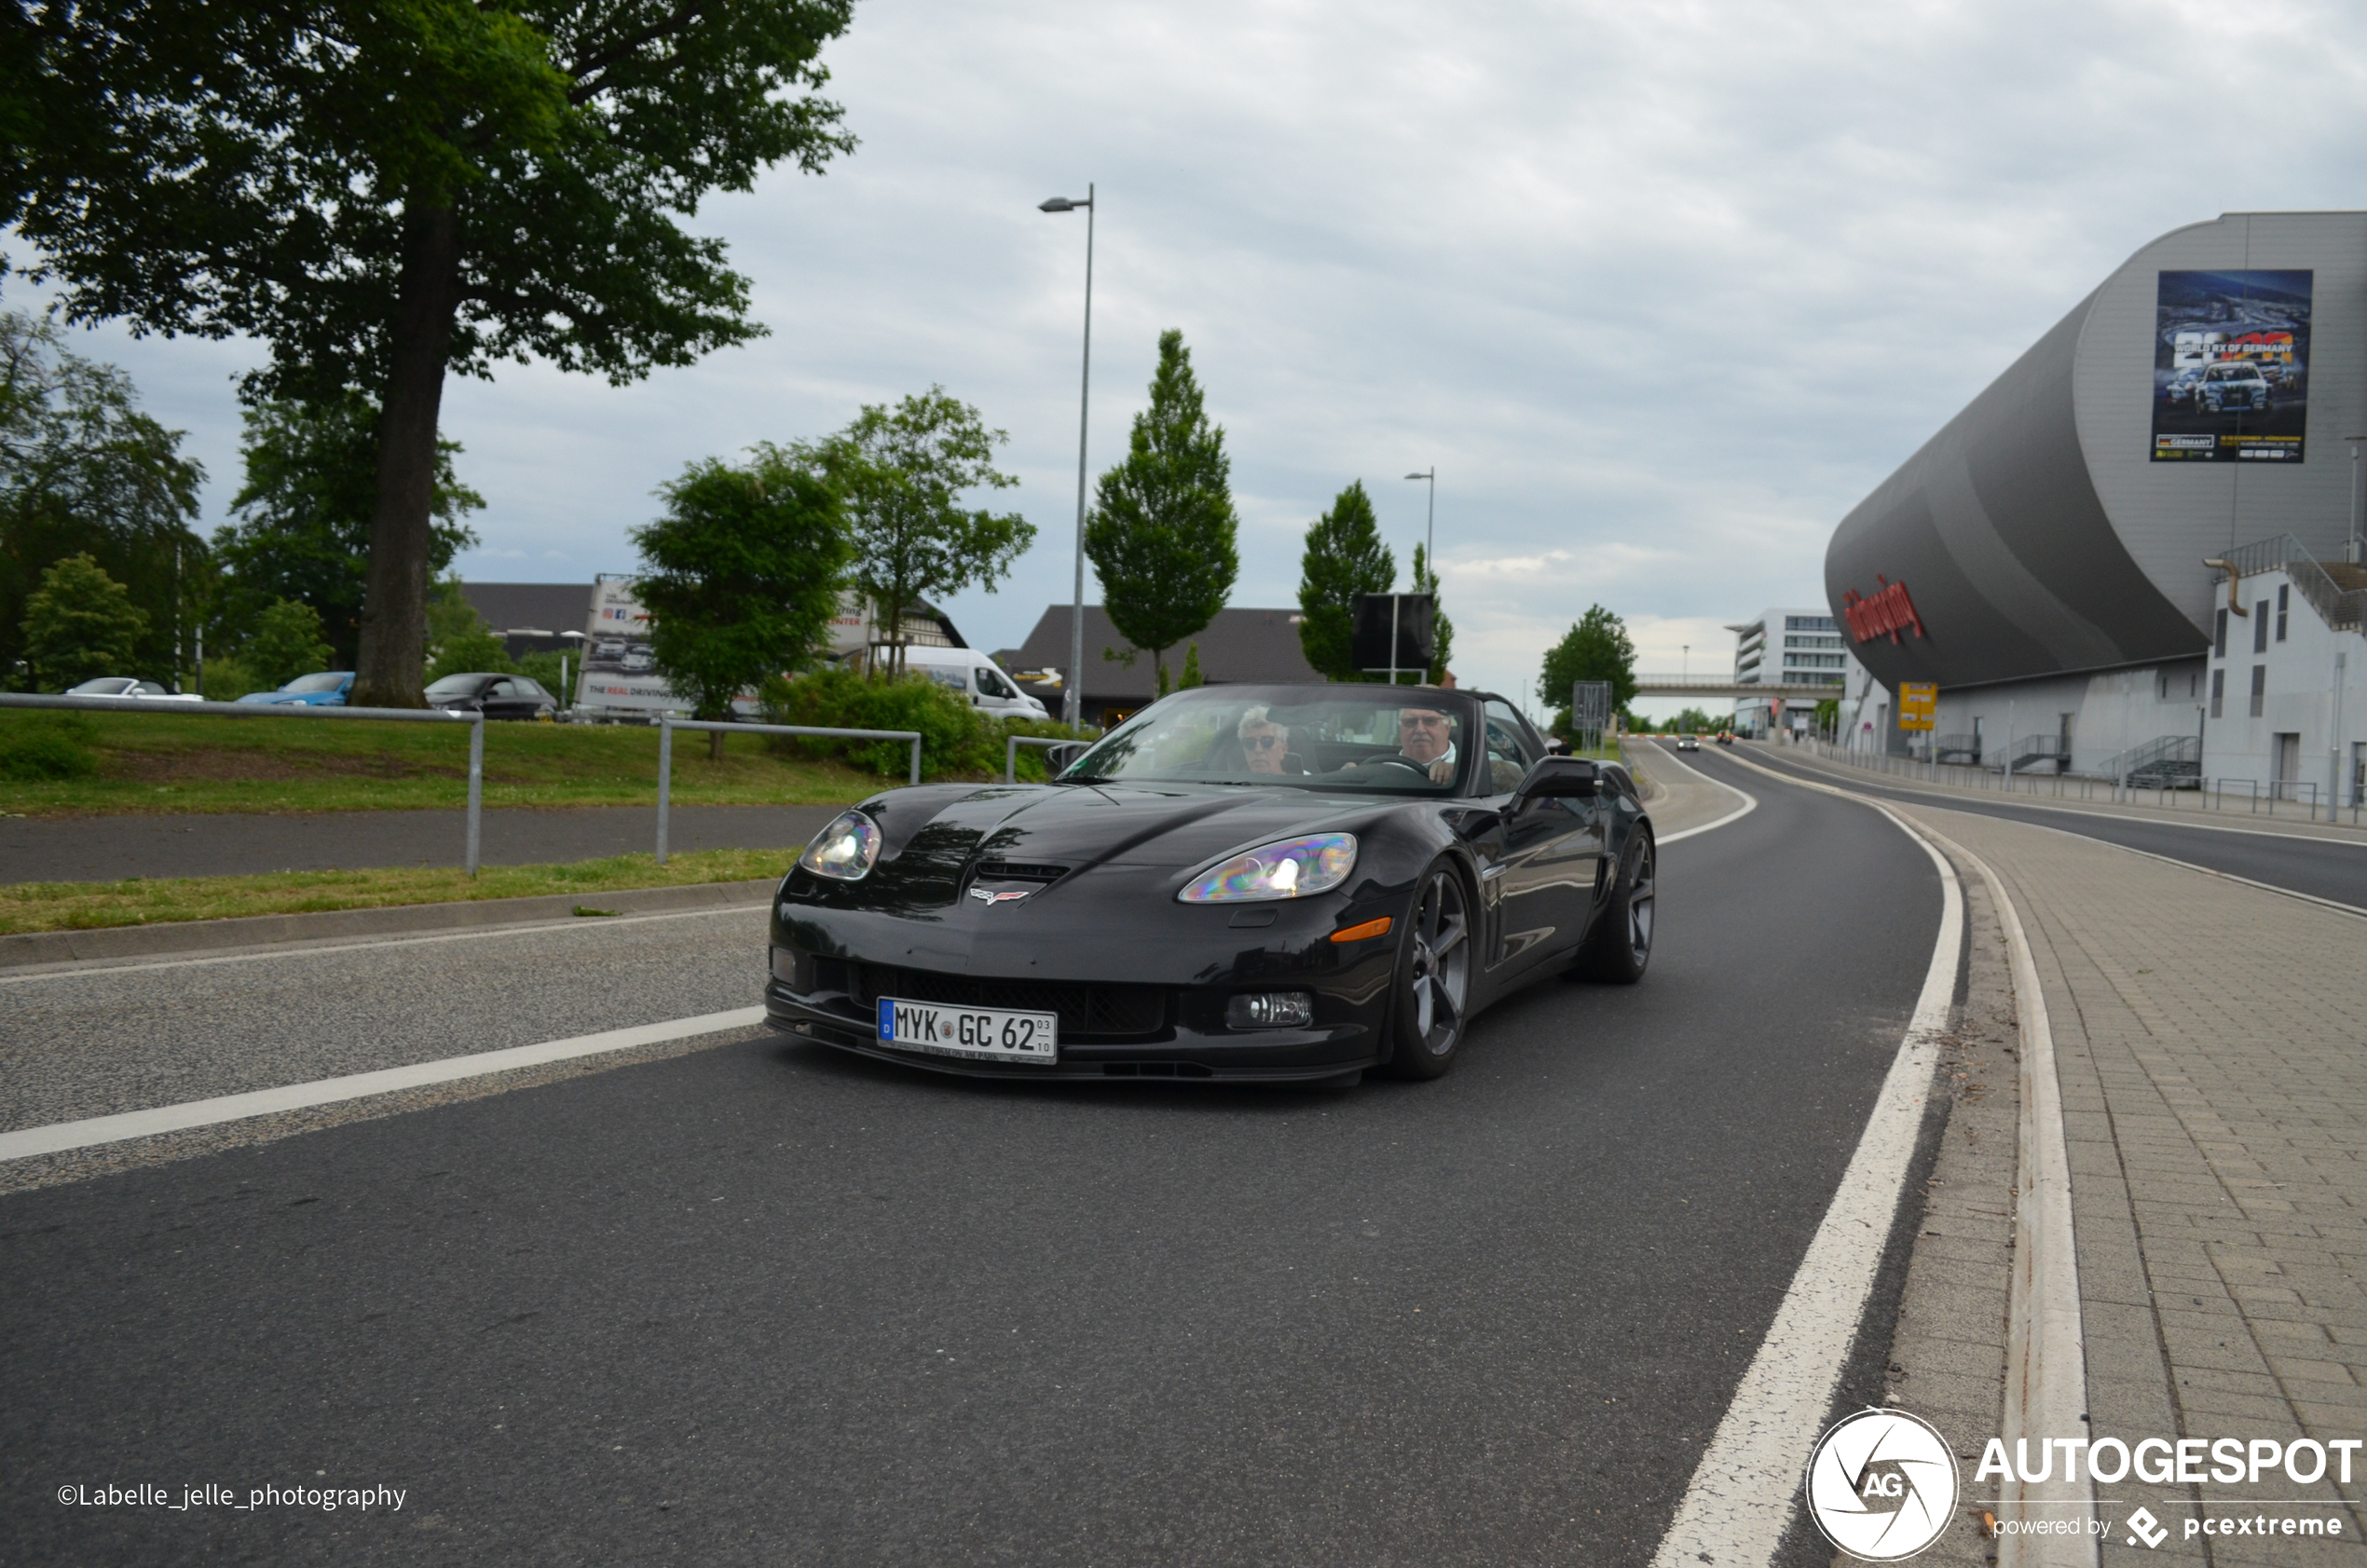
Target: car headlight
<point>845,850</point>
<point>1293,868</point>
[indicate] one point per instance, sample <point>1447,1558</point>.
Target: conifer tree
<point>1344,557</point>
<point>1162,537</point>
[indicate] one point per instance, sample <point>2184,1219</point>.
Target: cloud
<point>1662,288</point>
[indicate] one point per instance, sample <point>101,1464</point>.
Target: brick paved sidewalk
<point>2211,1042</point>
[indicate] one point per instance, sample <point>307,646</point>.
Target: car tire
<point>1432,990</point>
<point>1619,949</point>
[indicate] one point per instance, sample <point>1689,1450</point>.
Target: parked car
<point>2232,384</point>
<point>495,696</point>
<point>324,688</point>
<point>976,676</point>
<point>1261,883</point>
<point>1688,743</point>
<point>129,687</point>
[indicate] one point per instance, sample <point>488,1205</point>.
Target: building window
<point>2260,686</point>
<point>1808,624</point>
<point>2260,627</point>
<point>2284,597</point>
<point>2219,637</point>
<point>2219,680</point>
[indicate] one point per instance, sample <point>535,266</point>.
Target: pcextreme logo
<point>1881,1484</point>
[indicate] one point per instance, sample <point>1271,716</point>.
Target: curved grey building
<point>2056,530</point>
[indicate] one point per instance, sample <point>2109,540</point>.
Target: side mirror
<point>1060,757</point>
<point>1560,778</point>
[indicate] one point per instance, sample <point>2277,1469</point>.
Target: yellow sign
<point>1917,704</point>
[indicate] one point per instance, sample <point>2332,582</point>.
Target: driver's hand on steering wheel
<point>1441,770</point>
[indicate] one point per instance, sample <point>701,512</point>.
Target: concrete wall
<point>2299,698</point>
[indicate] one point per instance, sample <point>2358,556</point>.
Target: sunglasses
<point>1263,742</point>
<point>1423,722</point>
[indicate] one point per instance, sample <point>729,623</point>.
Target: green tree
<point>901,472</point>
<point>80,624</point>
<point>1595,648</point>
<point>1162,535</point>
<point>384,194</point>
<point>1191,676</point>
<point>1344,557</point>
<point>286,642</point>
<point>740,576</point>
<point>1441,629</point>
<point>304,528</point>
<point>84,473</point>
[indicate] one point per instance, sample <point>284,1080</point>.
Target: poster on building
<point>2231,366</point>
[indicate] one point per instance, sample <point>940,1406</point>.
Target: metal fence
<point>153,709</point>
<point>1049,743</point>
<point>668,724</point>
<point>2252,796</point>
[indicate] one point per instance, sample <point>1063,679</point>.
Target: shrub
<point>957,740</point>
<point>286,642</point>
<point>36,746</point>
<point>80,624</point>
<point>227,678</point>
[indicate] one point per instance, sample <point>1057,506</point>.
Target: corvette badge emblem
<point>987,897</point>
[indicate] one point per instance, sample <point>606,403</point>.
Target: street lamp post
<point>1073,699</point>
<point>1429,530</point>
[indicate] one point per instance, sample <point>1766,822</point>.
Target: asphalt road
<point>767,1303</point>
<point>228,844</point>
<point>2323,867</point>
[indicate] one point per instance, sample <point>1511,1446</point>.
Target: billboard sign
<point>620,676</point>
<point>2231,366</point>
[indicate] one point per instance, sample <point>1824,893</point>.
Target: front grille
<point>1019,872</point>
<point>1085,1007</point>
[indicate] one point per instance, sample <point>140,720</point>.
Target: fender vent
<point>1019,872</point>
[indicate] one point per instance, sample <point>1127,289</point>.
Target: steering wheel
<point>1421,768</point>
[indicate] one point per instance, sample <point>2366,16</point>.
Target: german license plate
<point>979,1034</point>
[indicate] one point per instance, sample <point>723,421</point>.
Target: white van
<point>973,674</point>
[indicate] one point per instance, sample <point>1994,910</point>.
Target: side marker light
<point>1362,932</point>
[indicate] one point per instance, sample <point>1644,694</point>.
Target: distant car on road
<point>127,687</point>
<point>1688,743</point>
<point>1724,737</point>
<point>495,696</point>
<point>324,688</point>
<point>2232,384</point>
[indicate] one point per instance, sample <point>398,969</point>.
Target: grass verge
<point>90,905</point>
<point>160,762</point>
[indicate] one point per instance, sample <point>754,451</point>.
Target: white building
<point>1799,646</point>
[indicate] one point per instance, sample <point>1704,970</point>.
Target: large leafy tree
<point>1162,535</point>
<point>79,624</point>
<point>385,191</point>
<point>304,517</point>
<point>902,473</point>
<point>1344,557</point>
<point>1595,648</point>
<point>739,576</point>
<point>84,473</point>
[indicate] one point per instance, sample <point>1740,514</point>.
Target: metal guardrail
<point>2253,795</point>
<point>1012,744</point>
<point>2345,610</point>
<point>668,724</point>
<point>150,707</point>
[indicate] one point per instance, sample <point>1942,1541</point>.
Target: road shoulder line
<point>1743,1493</point>
<point>1750,804</point>
<point>62,1136</point>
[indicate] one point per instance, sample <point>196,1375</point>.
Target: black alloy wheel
<point>1621,945</point>
<point>1433,980</point>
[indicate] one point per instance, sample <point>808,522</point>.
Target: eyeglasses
<point>1421,721</point>
<point>1262,742</point>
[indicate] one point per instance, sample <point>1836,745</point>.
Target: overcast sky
<point>1661,289</point>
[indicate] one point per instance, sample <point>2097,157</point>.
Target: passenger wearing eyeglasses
<point>1265,743</point>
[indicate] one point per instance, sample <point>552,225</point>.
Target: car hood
<point>934,837</point>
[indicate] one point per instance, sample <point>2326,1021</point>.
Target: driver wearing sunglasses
<point>1264,743</point>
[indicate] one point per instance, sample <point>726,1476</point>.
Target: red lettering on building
<point>1889,611</point>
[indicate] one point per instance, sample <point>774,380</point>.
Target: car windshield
<point>328,680</point>
<point>456,686</point>
<point>106,686</point>
<point>1327,738</point>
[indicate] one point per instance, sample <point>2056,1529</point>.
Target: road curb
<point>255,931</point>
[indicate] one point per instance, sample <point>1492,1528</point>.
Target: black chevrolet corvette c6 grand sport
<point>1268,883</point>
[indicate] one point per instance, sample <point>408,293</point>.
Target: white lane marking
<point>59,1136</point>
<point>2007,798</point>
<point>297,950</point>
<point>1740,1501</point>
<point>2046,1355</point>
<point>1750,802</point>
<point>2205,870</point>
